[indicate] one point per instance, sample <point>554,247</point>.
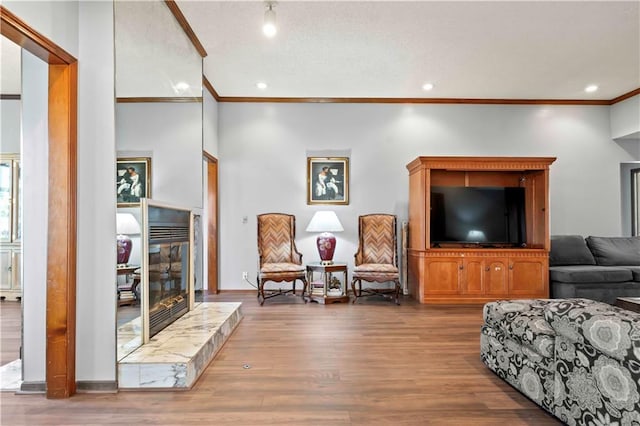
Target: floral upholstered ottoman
<point>577,358</point>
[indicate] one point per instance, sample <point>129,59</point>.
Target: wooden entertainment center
<point>472,272</point>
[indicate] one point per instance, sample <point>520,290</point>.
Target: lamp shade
<point>325,222</point>
<point>126,224</point>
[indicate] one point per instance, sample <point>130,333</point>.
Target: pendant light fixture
<point>269,26</point>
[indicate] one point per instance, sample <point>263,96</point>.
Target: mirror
<point>10,202</point>
<point>158,133</point>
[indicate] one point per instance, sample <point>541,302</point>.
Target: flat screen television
<point>478,215</point>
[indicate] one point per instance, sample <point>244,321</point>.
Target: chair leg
<point>261,292</point>
<point>353,288</point>
<point>304,289</point>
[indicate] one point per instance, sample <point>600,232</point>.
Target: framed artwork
<point>133,180</point>
<point>327,180</point>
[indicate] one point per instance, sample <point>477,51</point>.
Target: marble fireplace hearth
<point>176,356</point>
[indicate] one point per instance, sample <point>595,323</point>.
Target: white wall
<point>210,124</point>
<point>10,67</point>
<point>172,132</point>
<point>625,119</point>
<point>263,163</point>
<point>96,278</point>
<point>35,181</point>
<point>10,129</point>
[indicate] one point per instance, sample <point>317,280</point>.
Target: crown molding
<point>625,96</point>
<point>182,20</point>
<point>207,84</point>
<point>417,101</point>
<point>473,101</point>
<point>134,100</point>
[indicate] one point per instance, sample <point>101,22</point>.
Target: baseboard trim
<point>239,291</point>
<point>97,386</point>
<point>32,387</point>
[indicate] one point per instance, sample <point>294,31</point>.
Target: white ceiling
<point>477,49</point>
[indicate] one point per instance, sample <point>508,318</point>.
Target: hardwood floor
<point>343,364</point>
<point>10,330</point>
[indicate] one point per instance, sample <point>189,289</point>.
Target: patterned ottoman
<point>577,358</point>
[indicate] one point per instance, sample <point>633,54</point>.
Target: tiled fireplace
<point>168,262</point>
<point>179,338</point>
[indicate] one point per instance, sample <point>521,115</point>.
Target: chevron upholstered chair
<point>279,259</point>
<point>377,256</point>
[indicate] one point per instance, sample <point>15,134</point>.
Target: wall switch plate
<point>245,275</point>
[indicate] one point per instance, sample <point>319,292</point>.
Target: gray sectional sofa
<point>578,359</point>
<point>597,268</point>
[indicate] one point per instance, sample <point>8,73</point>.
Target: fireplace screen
<point>168,266</point>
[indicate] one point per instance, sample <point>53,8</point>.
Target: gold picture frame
<point>133,180</point>
<point>328,180</point>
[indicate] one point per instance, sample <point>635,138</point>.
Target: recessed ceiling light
<point>591,88</point>
<point>261,85</point>
<point>427,86</point>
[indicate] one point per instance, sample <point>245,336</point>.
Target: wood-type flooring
<point>290,363</point>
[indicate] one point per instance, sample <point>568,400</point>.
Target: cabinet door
<point>526,276</point>
<point>443,275</point>
<point>496,276</point>
<point>472,276</point>
<point>6,273</point>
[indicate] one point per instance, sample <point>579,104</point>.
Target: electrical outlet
<point>245,275</point>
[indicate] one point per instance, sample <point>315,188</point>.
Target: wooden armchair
<point>377,256</point>
<point>279,259</point>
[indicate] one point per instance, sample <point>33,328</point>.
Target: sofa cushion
<point>635,271</point>
<point>615,251</point>
<point>590,274</point>
<point>570,250</point>
<point>523,321</point>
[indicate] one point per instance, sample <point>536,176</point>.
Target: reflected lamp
<point>126,224</point>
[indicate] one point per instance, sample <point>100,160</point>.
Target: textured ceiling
<point>488,50</point>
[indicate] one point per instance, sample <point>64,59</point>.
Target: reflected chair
<point>377,256</point>
<point>279,260</point>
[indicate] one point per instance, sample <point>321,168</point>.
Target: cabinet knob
<point>8,268</point>
<point>461,267</point>
<point>511,266</point>
<point>488,269</point>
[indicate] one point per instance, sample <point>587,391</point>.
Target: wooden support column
<point>61,245</point>
<point>212,226</point>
